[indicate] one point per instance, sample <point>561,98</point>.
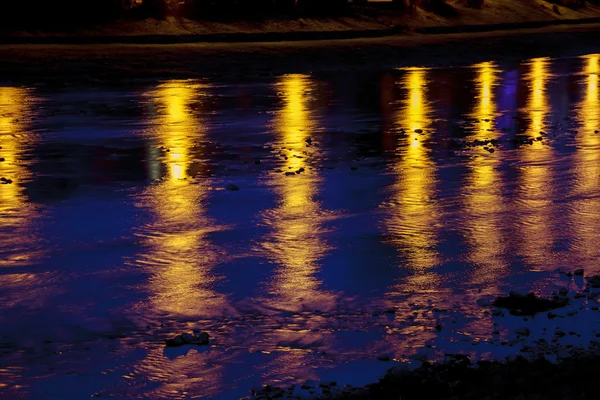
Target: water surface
<point>422,191</point>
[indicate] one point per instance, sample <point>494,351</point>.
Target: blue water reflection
<point>309,222</point>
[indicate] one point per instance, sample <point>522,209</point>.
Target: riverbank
<point>374,37</point>
<point>361,21</point>
<point>104,64</point>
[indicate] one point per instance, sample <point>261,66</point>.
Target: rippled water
<point>419,190</point>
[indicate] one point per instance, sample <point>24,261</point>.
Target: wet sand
<point>104,64</point>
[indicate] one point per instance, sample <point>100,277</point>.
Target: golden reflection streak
<point>536,179</point>
<point>12,110</point>
<point>412,223</point>
<point>587,158</point>
<point>483,195</point>
<point>295,245</point>
<point>179,256</point>
<point>16,214</point>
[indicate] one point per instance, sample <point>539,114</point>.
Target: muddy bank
<point>117,64</point>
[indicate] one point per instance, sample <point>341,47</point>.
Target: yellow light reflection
<point>536,178</point>
<point>586,208</point>
<point>538,107</point>
<point>179,257</point>
<point>12,110</point>
<point>412,223</point>
<point>296,245</point>
<point>16,214</point>
<point>484,193</point>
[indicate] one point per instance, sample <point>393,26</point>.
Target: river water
<point>375,213</point>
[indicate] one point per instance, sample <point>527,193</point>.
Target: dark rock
<point>556,9</point>
<point>497,313</point>
<point>232,187</point>
<point>552,315</point>
<point>384,357</point>
<point>174,342</point>
<point>2,159</point>
<point>522,331</point>
<point>578,272</point>
<point>418,130</point>
<point>594,281</point>
<point>529,304</point>
<point>198,338</point>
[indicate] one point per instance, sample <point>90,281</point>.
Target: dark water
<point>423,190</point>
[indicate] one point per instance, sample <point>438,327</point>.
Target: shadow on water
<point>310,223</point>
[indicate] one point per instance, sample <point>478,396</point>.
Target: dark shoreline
<point>527,373</point>
<point>78,39</point>
<point>519,378</point>
<point>94,65</point>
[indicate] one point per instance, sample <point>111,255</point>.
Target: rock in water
<point>594,281</point>
<point>200,338</point>
<point>231,186</point>
<point>174,342</point>
<point>522,331</point>
<point>530,304</point>
<point>578,272</point>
